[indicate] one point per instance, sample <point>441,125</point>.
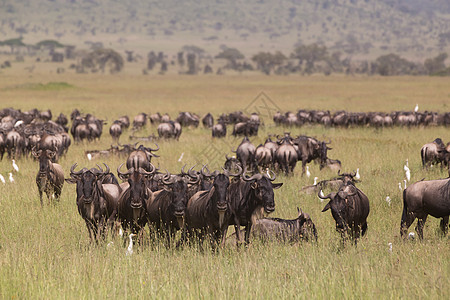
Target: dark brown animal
<point>50,177</point>
<point>423,198</point>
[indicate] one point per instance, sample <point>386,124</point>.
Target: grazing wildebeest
<point>188,119</point>
<point>15,144</point>
<point>249,197</point>
<point>50,177</point>
<point>245,153</point>
<point>349,208</point>
<point>155,118</point>
<point>263,157</point>
<point>432,153</point>
<point>124,122</point>
<point>97,195</point>
<point>286,157</point>
<point>423,198</point>
<point>139,121</point>
<point>115,130</point>
<point>332,164</point>
<point>286,231</point>
<point>208,121</point>
<point>219,130</point>
<point>309,149</point>
<point>169,130</point>
<point>208,212</point>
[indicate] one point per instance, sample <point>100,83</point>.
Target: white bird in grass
<point>357,176</point>
<point>89,156</point>
<point>15,166</point>
<point>390,247</point>
<point>388,200</point>
<point>416,109</point>
<point>400,187</point>
<point>315,180</point>
<point>411,235</point>
<point>181,157</point>
<point>407,164</point>
<point>308,174</point>
<point>2,179</point>
<point>11,178</point>
<point>404,183</point>
<point>130,246</point>
<point>120,232</point>
<point>407,172</point>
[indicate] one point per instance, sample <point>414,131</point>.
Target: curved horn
<point>228,173</point>
<point>339,173</point>
<point>268,176</point>
<point>107,171</point>
<point>203,171</point>
<point>167,179</point>
<point>72,170</point>
<point>326,197</point>
<point>254,177</point>
<point>353,174</point>
<point>182,170</point>
<point>99,168</point>
<point>157,148</point>
<point>131,170</point>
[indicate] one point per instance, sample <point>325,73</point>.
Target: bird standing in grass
<point>11,178</point>
<point>308,174</point>
<point>357,176</point>
<point>2,179</point>
<point>416,109</point>
<point>130,246</point>
<point>315,180</point>
<point>15,166</point>
<point>407,172</point>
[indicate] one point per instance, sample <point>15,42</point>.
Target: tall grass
<point>45,252</point>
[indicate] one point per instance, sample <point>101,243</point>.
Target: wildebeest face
<point>138,190</point>
<point>179,190</point>
<point>221,183</point>
<point>264,191</point>
<point>86,186</point>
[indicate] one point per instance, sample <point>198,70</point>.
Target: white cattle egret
<point>411,235</point>
<point>89,156</point>
<point>130,246</point>
<point>2,179</point>
<point>407,172</point>
<point>416,109</point>
<point>404,183</point>
<point>181,157</point>
<point>120,232</point>
<point>315,180</point>
<point>15,166</point>
<point>18,123</point>
<point>388,200</point>
<point>307,172</point>
<point>390,247</point>
<point>407,164</point>
<point>11,178</point>
<point>400,187</point>
<point>357,176</point>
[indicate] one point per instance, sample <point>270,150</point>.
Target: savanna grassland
<point>46,253</point>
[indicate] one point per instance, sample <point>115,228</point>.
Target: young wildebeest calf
<point>287,231</point>
<point>50,178</point>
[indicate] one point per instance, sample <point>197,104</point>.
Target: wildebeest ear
<point>277,185</point>
<point>70,180</point>
<point>327,207</point>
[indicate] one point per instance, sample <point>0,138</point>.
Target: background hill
<point>359,28</point>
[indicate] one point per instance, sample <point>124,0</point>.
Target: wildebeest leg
<point>237,230</point>
<point>224,237</point>
<point>58,192</point>
<point>444,225</point>
<point>407,220</point>
<point>420,224</point>
<point>364,229</point>
<point>248,228</point>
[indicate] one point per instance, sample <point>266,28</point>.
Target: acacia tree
<point>310,54</point>
<point>232,55</point>
<point>266,61</point>
<point>436,64</point>
<point>99,59</point>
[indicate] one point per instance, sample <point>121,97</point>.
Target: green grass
<point>45,252</point>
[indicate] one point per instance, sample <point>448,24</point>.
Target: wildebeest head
<point>137,179</point>
<point>305,224</point>
<point>44,157</point>
<point>323,152</point>
<point>263,189</point>
<point>87,181</point>
<point>340,203</point>
<point>178,187</point>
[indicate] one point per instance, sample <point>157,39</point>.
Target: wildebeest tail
<point>423,152</point>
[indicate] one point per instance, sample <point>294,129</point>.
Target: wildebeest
<point>169,130</point>
<point>97,195</point>
<point>349,208</point>
<point>15,144</point>
<point>50,177</point>
<point>141,158</point>
<point>432,153</point>
<point>208,212</point>
<point>188,119</point>
<point>208,121</point>
<point>131,210</point>
<point>249,198</point>
<point>287,231</point>
<point>219,130</point>
<point>263,156</point>
<point>248,128</point>
<point>115,130</point>
<point>245,153</point>
<point>166,207</point>
<point>286,157</point>
<point>155,118</point>
<point>423,198</point>
<point>139,121</point>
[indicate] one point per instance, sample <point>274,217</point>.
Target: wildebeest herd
<point>200,203</point>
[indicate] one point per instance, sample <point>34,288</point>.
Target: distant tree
<point>232,55</point>
<point>129,56</point>
<point>13,43</point>
<point>267,61</point>
<point>207,69</point>
<point>69,52</point>
<point>392,64</point>
<point>163,67</point>
<point>436,64</point>
<point>101,58</point>
<point>310,54</point>
<point>151,57</point>
<point>49,44</point>
<point>180,58</point>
